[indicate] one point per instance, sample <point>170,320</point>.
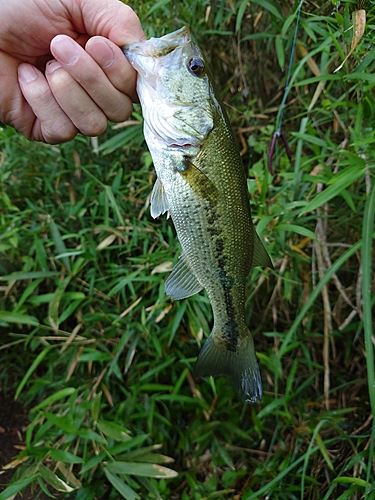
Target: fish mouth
<point>158,47</point>
<point>146,56</point>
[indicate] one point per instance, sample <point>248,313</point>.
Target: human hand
<point>61,68</point>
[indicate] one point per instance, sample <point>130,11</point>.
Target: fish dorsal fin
<point>158,201</point>
<point>260,255</point>
<point>202,186</point>
<point>182,283</point>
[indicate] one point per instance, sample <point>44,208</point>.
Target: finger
<point>74,101</point>
<point>51,123</point>
<point>111,19</point>
<point>114,64</point>
<point>14,109</point>
<point>91,77</point>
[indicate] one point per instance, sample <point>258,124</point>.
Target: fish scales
<point>202,185</point>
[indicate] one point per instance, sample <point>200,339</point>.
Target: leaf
<point>140,469</point>
<point>334,189</point>
<point>240,14</point>
<point>63,422</point>
<point>280,52</point>
<point>53,309</point>
<point>23,319</point>
<point>65,456</point>
<point>55,397</point>
<point>93,462</point>
<point>16,487</point>
<point>93,355</point>
<point>293,228</point>
<point>113,431</point>
<point>323,450</point>
<point>121,487</point>
<point>106,242</point>
<point>31,370</point>
<point>89,434</point>
<point>146,454</point>
<point>59,243</point>
<point>271,8</point>
<point>29,276</point>
<point>54,480</point>
<point>352,480</point>
<point>359,25</point>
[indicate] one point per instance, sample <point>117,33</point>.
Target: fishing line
<point>279,120</point>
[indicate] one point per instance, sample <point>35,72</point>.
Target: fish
<point>202,186</point>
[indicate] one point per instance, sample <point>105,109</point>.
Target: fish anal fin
<point>182,283</point>
<point>158,201</point>
<point>202,186</point>
<point>240,365</point>
<point>260,255</point>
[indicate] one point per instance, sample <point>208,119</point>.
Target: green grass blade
<point>31,370</point>
<point>368,225</point>
<point>16,487</point>
<point>335,267</point>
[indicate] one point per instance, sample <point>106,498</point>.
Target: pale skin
<point>61,69</point>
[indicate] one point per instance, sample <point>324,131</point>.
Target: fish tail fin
<point>240,365</point>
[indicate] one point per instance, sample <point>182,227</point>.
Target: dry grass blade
<point>359,25</point>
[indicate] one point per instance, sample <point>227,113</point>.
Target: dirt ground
<point>13,423</point>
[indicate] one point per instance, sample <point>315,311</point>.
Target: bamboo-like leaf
<point>65,456</point>
<point>54,480</point>
<point>63,422</point>
<point>140,469</point>
<point>29,276</point>
<point>293,228</point>
<point>124,489</point>
<point>16,487</point>
<point>14,317</point>
<point>113,431</point>
<point>31,370</point>
<point>333,190</point>
<point>64,393</point>
<point>59,243</point>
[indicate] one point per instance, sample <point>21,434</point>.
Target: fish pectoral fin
<point>158,201</point>
<point>182,283</point>
<point>260,255</point>
<point>202,186</point>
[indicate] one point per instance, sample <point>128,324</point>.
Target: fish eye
<point>196,66</point>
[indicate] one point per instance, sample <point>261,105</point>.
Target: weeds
<point>92,344</point>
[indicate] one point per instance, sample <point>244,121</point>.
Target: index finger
<point>114,64</point>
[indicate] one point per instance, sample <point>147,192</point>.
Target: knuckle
<point>121,112</point>
<point>93,124</point>
<point>58,131</point>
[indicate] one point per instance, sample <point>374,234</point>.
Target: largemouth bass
<point>201,184</point>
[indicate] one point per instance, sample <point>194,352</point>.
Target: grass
<point>102,357</point>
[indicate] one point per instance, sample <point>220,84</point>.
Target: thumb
<point>109,18</point>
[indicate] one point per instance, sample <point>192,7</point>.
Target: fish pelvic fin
<point>240,365</point>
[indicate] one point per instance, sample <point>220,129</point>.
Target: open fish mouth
<point>159,47</point>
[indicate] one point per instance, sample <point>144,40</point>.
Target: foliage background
<point>91,344</point>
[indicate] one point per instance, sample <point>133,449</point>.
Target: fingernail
<point>27,73</point>
<point>52,66</point>
<point>64,49</point>
<point>102,53</point>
